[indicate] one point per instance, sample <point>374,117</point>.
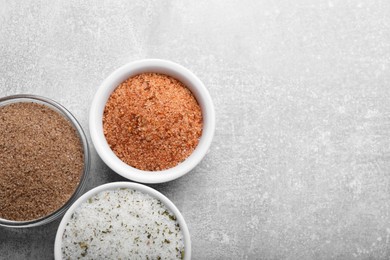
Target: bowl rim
<point>84,143</point>
<point>123,184</point>
<point>193,83</point>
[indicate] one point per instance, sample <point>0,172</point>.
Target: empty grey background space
<point>299,166</point>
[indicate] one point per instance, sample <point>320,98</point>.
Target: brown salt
<point>152,122</point>
<point>41,160</point>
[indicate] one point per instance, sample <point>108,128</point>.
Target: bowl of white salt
<point>123,220</point>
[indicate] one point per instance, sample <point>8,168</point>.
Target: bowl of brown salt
<point>152,121</point>
<point>44,160</point>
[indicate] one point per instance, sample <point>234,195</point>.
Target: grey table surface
<point>299,165</point>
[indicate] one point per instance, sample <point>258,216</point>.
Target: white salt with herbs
<point>122,224</point>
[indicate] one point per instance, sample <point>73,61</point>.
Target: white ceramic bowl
<point>115,185</point>
<point>158,66</point>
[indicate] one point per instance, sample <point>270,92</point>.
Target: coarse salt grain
<point>122,224</point>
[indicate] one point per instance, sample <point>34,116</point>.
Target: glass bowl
<point>25,98</point>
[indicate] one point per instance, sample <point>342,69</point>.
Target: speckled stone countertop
<point>300,163</point>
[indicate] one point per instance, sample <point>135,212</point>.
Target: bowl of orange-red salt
<point>152,121</point>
